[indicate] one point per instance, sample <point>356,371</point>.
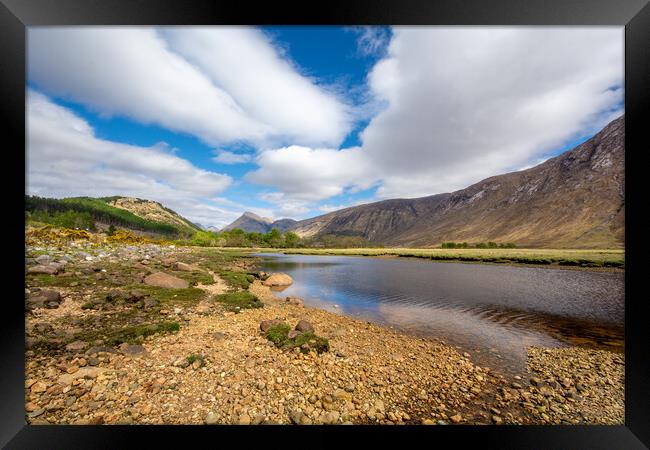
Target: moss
<point>237,280</point>
<point>235,301</point>
<point>89,305</point>
<point>306,342</point>
<point>278,334</point>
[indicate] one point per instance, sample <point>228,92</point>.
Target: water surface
<point>492,311</point>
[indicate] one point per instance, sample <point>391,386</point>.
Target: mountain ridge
<point>575,199</point>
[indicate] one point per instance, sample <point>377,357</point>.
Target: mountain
<point>154,211</point>
<point>252,223</point>
<point>576,200</point>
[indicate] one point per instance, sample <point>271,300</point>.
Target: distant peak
<point>252,215</point>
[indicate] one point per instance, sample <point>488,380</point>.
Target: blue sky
<point>299,121</point>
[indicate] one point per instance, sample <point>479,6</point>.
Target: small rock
<point>244,419</point>
<point>456,418</point>
<point>211,419</point>
<point>304,327</point>
<point>428,422</point>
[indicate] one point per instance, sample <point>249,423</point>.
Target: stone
<point>44,259</point>
<point>165,280</point>
<point>304,327</point>
<point>278,279</point>
<point>76,346</point>
<point>456,418</point>
<point>244,419</point>
<point>38,387</point>
<point>100,349</point>
<point>211,419</point>
<point>428,422</point>
<point>40,269</point>
<point>185,267</point>
<point>266,324</point>
<point>132,349</point>
<point>84,372</point>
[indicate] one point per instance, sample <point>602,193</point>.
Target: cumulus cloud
<point>65,158</point>
<point>226,157</point>
<point>461,105</point>
<point>222,84</point>
<point>307,175</point>
<point>243,61</point>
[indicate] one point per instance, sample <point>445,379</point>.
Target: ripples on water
<point>493,311</point>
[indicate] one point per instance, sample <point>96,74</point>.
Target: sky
<point>294,122</point>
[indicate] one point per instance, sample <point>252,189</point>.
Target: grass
<point>235,301</point>
<point>237,280</point>
<point>560,257</point>
<point>279,335</point>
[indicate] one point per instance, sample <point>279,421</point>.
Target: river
<point>493,312</point>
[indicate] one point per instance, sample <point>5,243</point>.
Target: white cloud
<point>226,157</point>
<point>243,61</point>
<point>468,103</point>
<point>65,158</point>
<point>461,105</point>
<point>222,84</point>
<point>308,175</point>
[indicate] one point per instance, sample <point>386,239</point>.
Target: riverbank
<point>606,259</point>
<point>104,346</point>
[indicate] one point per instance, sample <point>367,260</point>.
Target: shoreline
<point>371,374</point>
<point>441,259</point>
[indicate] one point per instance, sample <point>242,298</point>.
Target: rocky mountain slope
<point>151,210</point>
<point>576,199</point>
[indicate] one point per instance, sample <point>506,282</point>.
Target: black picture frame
<point>16,15</point>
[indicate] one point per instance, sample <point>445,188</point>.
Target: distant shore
<point>605,259</point>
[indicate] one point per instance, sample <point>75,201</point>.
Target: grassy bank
<point>559,257</point>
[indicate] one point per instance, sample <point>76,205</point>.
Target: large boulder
<point>165,280</point>
<point>278,279</point>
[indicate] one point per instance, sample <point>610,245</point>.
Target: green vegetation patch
<point>237,280</point>
<point>169,296</point>
<point>50,210</point>
<point>306,342</point>
<point>235,301</point>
